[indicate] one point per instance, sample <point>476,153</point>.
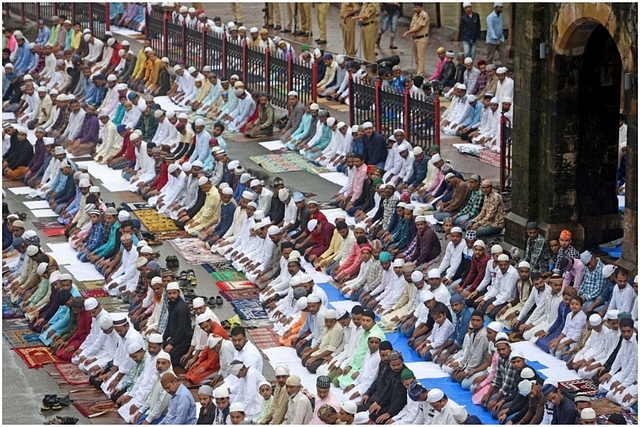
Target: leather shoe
<point>321,41</point>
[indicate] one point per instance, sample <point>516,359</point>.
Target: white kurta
<point>247,392</point>
<point>368,374</point>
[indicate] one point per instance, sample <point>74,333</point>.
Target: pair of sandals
<point>188,277</point>
<point>215,301</point>
<point>52,401</point>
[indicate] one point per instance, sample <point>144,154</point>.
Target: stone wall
<point>552,148</point>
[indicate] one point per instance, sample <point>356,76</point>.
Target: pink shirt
<point>577,273</point>
<point>330,400</point>
<point>356,185</point>
<point>438,69</point>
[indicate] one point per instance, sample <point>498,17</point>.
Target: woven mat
<point>90,285</point>
<point>228,275</point>
<point>579,386</point>
<point>128,196</point>
<point>264,337</point>
<point>195,252</point>
<point>93,407</point>
<point>50,228</point>
<point>10,310</point>
<point>94,293</point>
<point>235,295</point>
<point>21,338</point>
<point>72,374</point>
<point>488,156</point>
<point>287,162</point>
<point>136,206</point>
<point>35,357</point>
<point>604,406</point>
<point>249,309</point>
<point>154,222</point>
<point>169,235</point>
<point>235,285</point>
<point>15,324</point>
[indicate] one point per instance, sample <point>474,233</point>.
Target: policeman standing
<point>419,32</point>
<point>348,26</point>
<point>369,20</point>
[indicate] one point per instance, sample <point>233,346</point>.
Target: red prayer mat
<point>93,407</point>
<point>71,374</point>
<point>35,357</point>
<point>579,386</point>
<point>234,295</point>
<point>264,337</point>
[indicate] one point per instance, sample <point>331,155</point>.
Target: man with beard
<point>153,409</point>
<point>376,364</point>
<point>387,396</point>
<point>177,335</point>
<point>246,351</point>
<point>299,410</point>
<point>133,399</point>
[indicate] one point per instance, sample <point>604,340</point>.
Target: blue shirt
<point>474,116</point>
<point>494,28</point>
<point>182,408</point>
<point>309,324</point>
<point>115,8</point>
<point>23,59</point>
<point>201,152</point>
<point>462,325</point>
<point>43,35</point>
<point>419,172</point>
<point>96,235</point>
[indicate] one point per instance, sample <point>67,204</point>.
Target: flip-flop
<point>219,300</point>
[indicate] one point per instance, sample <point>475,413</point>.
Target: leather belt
<point>364,24</point>
<point>421,37</point>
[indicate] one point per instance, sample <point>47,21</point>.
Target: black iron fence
<point>389,109</point>
<point>276,73</point>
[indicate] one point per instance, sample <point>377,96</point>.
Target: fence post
<point>407,113</point>
<point>314,82</point>
<point>267,74</point>
<point>184,38</point>
<point>351,101</point>
<point>165,38</point>
<point>54,9</point>
<point>90,16</point>
<point>503,123</point>
<point>22,13</point>
<point>289,73</point>
<point>107,16</point>
<point>204,47</point>
<point>378,111</point>
<point>436,118</point>
<point>38,12</point>
<point>245,68</point>
<point>223,71</point>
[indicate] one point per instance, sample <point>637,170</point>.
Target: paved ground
<point>23,388</point>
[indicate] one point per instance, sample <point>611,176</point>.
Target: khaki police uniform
<point>420,39</point>
<point>369,29</point>
<point>321,12</point>
<point>348,26</point>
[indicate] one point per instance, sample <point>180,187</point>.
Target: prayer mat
<point>11,312</point>
<point>136,206</point>
<point>303,163</point>
<point>264,337</point>
<point>71,374</point>
<point>15,324</point>
<point>91,285</point>
<point>194,251</point>
<point>515,337</point>
<point>579,386</point>
<point>249,309</point>
<point>234,295</point>
<point>170,235</point>
<point>241,138</point>
<point>235,285</point>
<point>50,228</point>
<point>154,222</point>
<point>629,418</point>
<point>604,406</point>
<point>90,408</point>
<point>94,293</point>
<point>488,156</point>
<point>22,338</point>
<point>128,196</point>
<point>35,357</point>
<point>275,163</point>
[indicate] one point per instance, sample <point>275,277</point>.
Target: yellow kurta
<point>138,71</point>
<point>400,309</point>
<point>209,211</point>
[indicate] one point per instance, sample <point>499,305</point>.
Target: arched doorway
<point>598,105</point>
